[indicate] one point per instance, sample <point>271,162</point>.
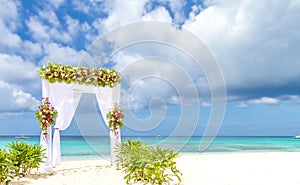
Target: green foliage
<point>147,165</point>
<point>19,160</point>
<point>6,167</point>
<point>25,157</point>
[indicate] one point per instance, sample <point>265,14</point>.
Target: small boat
<point>21,137</point>
<point>158,137</point>
<point>297,137</point>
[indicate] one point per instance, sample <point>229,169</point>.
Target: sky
<point>254,44</point>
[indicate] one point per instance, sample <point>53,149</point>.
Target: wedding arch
<point>63,86</point>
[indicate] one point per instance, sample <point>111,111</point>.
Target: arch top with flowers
<point>80,75</point>
<point>60,94</point>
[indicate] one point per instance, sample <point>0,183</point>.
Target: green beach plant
<point>19,160</point>
<point>24,157</point>
<point>6,167</point>
<point>145,164</point>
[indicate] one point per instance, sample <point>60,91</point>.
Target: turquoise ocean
<point>77,147</point>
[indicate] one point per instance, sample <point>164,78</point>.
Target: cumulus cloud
<point>8,24</point>
<point>118,8</point>
<point>255,48</point>
<point>177,8</point>
<point>9,13</point>
<point>95,6</point>
<point>47,29</point>
<point>14,99</point>
<point>116,11</point>
<point>147,78</point>
<point>57,3</point>
<point>49,17</point>
<point>265,100</point>
<point>256,58</point>
<point>291,99</point>
<point>38,29</point>
<point>61,54</point>
<point>242,105</point>
<point>11,41</point>
<point>30,50</point>
<point>159,14</point>
<point>8,38</point>
<point>15,70</point>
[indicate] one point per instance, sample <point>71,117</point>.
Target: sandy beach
<point>208,169</point>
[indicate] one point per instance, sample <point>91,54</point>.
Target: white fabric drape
<point>115,139</point>
<point>65,99</point>
<point>66,111</point>
<point>106,97</point>
<point>46,141</point>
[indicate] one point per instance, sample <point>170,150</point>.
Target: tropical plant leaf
<point>146,164</point>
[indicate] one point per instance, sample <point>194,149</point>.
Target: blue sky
<point>256,44</point>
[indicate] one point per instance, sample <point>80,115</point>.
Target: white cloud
<point>293,99</point>
<point>177,8</point>
<point>8,24</point>
<point>31,50</point>
<point>116,11</point>
<point>73,25</point>
<point>57,3</point>
<point>8,38</point>
<point>81,6</point>
<point>205,104</point>
<point>247,40</point>
<point>14,99</point>
<point>264,100</point>
<point>15,70</point>
<point>146,78</point>
<point>94,6</point>
<point>38,29</point>
<point>60,54</point>
<point>255,47</point>
<point>49,16</point>
<point>134,11</point>
<point>47,29</point>
<point>159,14</point>
<point>242,105</point>
<point>9,13</point>
<point>174,100</point>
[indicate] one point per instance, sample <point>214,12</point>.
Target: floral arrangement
<point>46,115</point>
<point>80,75</point>
<point>115,117</point>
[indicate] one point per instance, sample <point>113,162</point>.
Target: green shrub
<point>19,160</point>
<point>6,167</point>
<point>147,165</point>
<point>25,157</point>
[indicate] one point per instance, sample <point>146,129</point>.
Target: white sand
<point>278,168</point>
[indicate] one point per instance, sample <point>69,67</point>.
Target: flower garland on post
<point>115,117</point>
<point>46,115</point>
